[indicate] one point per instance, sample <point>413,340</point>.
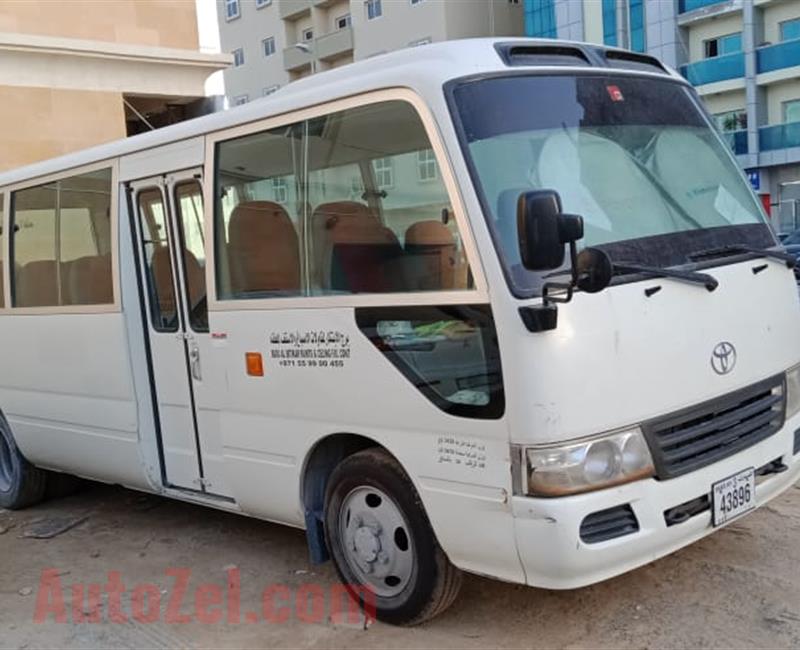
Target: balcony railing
<point>737,141</point>
<point>718,68</point>
<point>290,9</point>
<point>776,57</point>
<point>691,5</point>
<point>335,44</point>
<point>779,136</point>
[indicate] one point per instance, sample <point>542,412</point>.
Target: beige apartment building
<point>76,73</point>
<point>274,42</point>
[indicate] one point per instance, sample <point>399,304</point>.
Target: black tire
<point>60,485</point>
<point>21,484</point>
<point>434,581</point>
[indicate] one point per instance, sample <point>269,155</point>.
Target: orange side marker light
<point>254,363</point>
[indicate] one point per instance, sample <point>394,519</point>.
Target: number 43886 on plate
<point>733,496</point>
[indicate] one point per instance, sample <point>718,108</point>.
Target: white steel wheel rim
<point>376,541</point>
<point>6,465</point>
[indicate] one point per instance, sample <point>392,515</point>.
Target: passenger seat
<point>431,257</point>
<point>263,249</point>
<point>352,251</point>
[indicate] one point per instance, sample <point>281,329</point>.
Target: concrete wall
<point>593,21</point>
<point>165,23</point>
<point>724,102</point>
<point>776,13</point>
<point>247,31</point>
<point>711,29</point>
<point>776,95</point>
<point>402,23</point>
<point>40,123</point>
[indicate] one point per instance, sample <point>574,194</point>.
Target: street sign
<point>754,176</point>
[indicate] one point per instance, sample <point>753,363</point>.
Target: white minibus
<point>506,307</point>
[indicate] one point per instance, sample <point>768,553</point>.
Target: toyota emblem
<point>723,358</point>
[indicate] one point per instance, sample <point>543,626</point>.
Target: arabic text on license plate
<point>733,496</point>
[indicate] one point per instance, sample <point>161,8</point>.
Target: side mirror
<point>544,230</point>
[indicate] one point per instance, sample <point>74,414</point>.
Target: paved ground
<point>741,587</point>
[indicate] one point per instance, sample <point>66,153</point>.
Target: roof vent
<point>525,55</point>
<point>633,61</point>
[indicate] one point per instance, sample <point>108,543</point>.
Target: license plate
<point>733,496</point>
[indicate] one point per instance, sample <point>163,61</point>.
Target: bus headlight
<point>792,391</point>
<point>588,465</point>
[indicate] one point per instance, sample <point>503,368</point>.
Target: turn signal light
<point>254,363</point>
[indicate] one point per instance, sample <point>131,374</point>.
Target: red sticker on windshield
<point>615,93</point>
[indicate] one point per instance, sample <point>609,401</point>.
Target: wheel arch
<point>319,463</point>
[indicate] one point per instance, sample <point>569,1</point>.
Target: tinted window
<point>62,242</point>
<point>352,202</point>
<point>189,204</point>
<point>158,265</point>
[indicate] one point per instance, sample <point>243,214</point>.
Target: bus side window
<point>62,242</point>
<point>160,285</point>
<point>189,204</point>
<point>2,248</point>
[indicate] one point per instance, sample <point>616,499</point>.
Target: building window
<point>610,22</point>
<point>231,9</point>
<point>790,29</point>
<point>791,111</point>
<point>308,34</point>
<point>540,18</point>
<point>384,172</point>
<point>343,22</point>
<point>238,57</point>
<point>722,45</point>
<point>270,89</point>
<point>268,45</point>
<point>420,41</point>
<point>416,2</point>
<point>636,25</point>
<point>263,3</point>
<point>240,99</point>
<point>513,2</point>
<point>728,121</point>
<point>426,165</point>
<point>280,190</point>
<point>374,9</point>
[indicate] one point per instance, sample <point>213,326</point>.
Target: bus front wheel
<point>380,539</point>
<point>21,484</point>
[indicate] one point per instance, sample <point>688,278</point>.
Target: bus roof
<point>420,68</point>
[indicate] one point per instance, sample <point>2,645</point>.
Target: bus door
<point>172,249</point>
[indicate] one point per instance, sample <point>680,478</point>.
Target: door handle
<point>194,362</point>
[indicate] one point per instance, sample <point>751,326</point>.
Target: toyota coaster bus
<point>503,307</point>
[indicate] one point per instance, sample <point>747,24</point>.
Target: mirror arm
<point>544,317</point>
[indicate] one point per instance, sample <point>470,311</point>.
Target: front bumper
<point>547,530</point>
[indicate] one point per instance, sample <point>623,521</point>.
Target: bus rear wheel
<point>380,539</point>
<point>21,484</point>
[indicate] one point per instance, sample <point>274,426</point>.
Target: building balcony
<point>292,9</point>
<point>779,136</point>
<point>691,5</point>
<point>776,57</point>
<point>333,45</point>
<point>295,58</point>
<point>737,141</point>
<point>718,68</point>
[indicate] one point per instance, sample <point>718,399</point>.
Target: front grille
<point>607,524</point>
<point>688,440</point>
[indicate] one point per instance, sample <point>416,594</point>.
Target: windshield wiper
<point>734,249</point>
<point>708,281</point>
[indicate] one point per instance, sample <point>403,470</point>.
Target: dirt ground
<point>740,587</point>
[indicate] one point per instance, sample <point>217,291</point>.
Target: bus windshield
<point>634,156</point>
